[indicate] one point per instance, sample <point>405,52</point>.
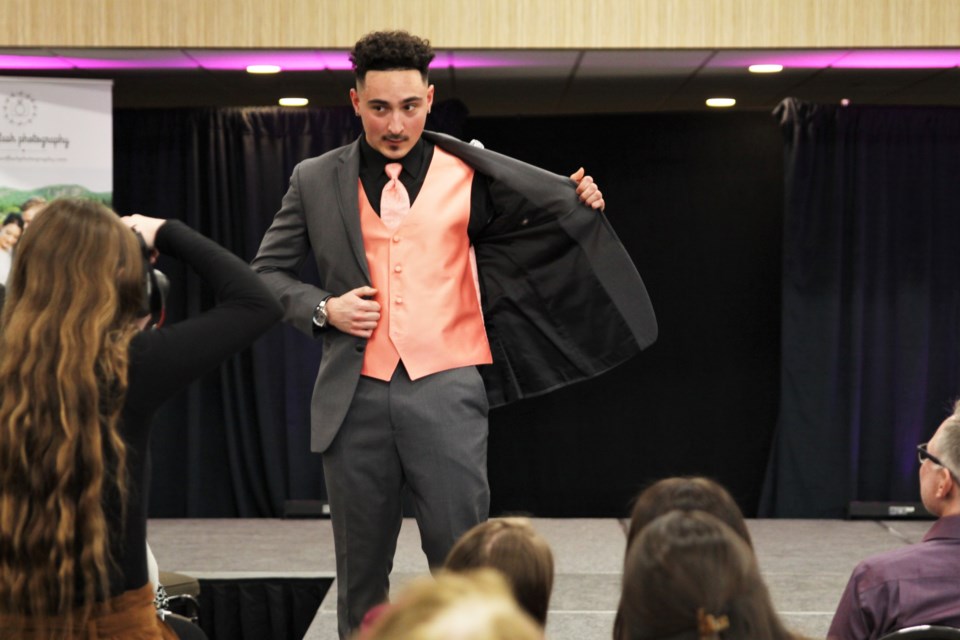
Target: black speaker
<point>888,511</point>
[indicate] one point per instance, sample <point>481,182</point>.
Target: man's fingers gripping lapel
<point>355,312</point>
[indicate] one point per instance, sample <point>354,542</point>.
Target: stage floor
<point>806,563</point>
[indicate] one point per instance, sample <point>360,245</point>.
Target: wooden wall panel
<point>483,23</point>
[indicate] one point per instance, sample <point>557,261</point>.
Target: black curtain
<point>869,307</point>
<point>696,199</point>
<point>260,608</point>
<point>871,302</point>
<point>234,444</point>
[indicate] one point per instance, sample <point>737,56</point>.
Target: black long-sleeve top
<point>164,361</point>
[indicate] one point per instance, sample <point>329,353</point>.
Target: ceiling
<point>509,82</point>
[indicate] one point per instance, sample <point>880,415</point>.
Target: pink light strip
<point>339,61</point>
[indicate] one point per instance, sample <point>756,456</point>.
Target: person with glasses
<point>920,583</point>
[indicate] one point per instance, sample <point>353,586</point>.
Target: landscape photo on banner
<point>56,139</point>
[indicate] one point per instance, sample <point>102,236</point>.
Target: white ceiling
<point>515,81</point>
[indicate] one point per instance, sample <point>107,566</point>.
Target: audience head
<point>31,208</point>
<point>475,605</point>
<point>71,304</point>
<point>513,547</point>
<point>686,494</point>
<point>939,482</point>
<point>11,231</point>
<point>690,576</point>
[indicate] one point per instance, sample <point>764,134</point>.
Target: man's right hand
<point>354,312</point>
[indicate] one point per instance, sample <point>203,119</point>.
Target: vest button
<point>398,269</point>
<point>360,347</point>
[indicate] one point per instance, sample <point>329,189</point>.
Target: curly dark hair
<point>389,51</point>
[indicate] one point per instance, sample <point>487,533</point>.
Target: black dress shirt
<point>374,178</point>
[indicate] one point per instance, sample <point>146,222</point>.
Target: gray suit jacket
<point>562,300</point>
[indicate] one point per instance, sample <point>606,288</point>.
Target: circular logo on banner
<point>20,108</point>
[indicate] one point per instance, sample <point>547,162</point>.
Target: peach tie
<point>394,200</point>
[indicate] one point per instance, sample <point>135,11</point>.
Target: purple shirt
<point>916,584</point>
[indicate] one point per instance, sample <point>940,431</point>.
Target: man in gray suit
<point>497,263</point>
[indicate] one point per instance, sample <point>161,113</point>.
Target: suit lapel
<point>348,180</point>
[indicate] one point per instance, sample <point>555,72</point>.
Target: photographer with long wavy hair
<point>79,384</point>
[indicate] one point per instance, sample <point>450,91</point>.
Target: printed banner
<point>56,139</point>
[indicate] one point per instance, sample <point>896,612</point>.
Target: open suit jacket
<point>562,301</point>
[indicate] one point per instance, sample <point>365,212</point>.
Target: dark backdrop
<point>237,442</point>
<point>871,302</point>
<point>697,200</point>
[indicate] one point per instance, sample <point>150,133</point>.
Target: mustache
<point>389,138</point>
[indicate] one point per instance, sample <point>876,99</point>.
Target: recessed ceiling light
<point>845,102</point>
<point>721,102</point>
<point>765,68</point>
<point>293,102</point>
<point>263,68</point>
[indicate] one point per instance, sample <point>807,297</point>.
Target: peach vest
<point>430,314</point>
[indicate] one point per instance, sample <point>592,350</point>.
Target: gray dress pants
<point>429,434</point>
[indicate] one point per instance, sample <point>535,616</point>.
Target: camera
<point>156,286</point>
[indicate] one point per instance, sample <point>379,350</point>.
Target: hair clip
<point>708,626</point>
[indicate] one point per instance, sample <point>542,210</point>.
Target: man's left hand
<point>588,190</point>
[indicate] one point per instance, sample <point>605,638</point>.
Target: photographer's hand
<point>147,227</point>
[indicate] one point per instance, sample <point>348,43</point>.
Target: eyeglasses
<point>923,454</point>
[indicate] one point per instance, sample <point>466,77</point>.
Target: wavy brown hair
<point>72,299</point>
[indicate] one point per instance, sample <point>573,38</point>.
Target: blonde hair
<point>72,299</point>
<point>475,605</point>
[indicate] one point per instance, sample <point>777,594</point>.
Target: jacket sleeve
<point>165,360</point>
<point>282,252</point>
